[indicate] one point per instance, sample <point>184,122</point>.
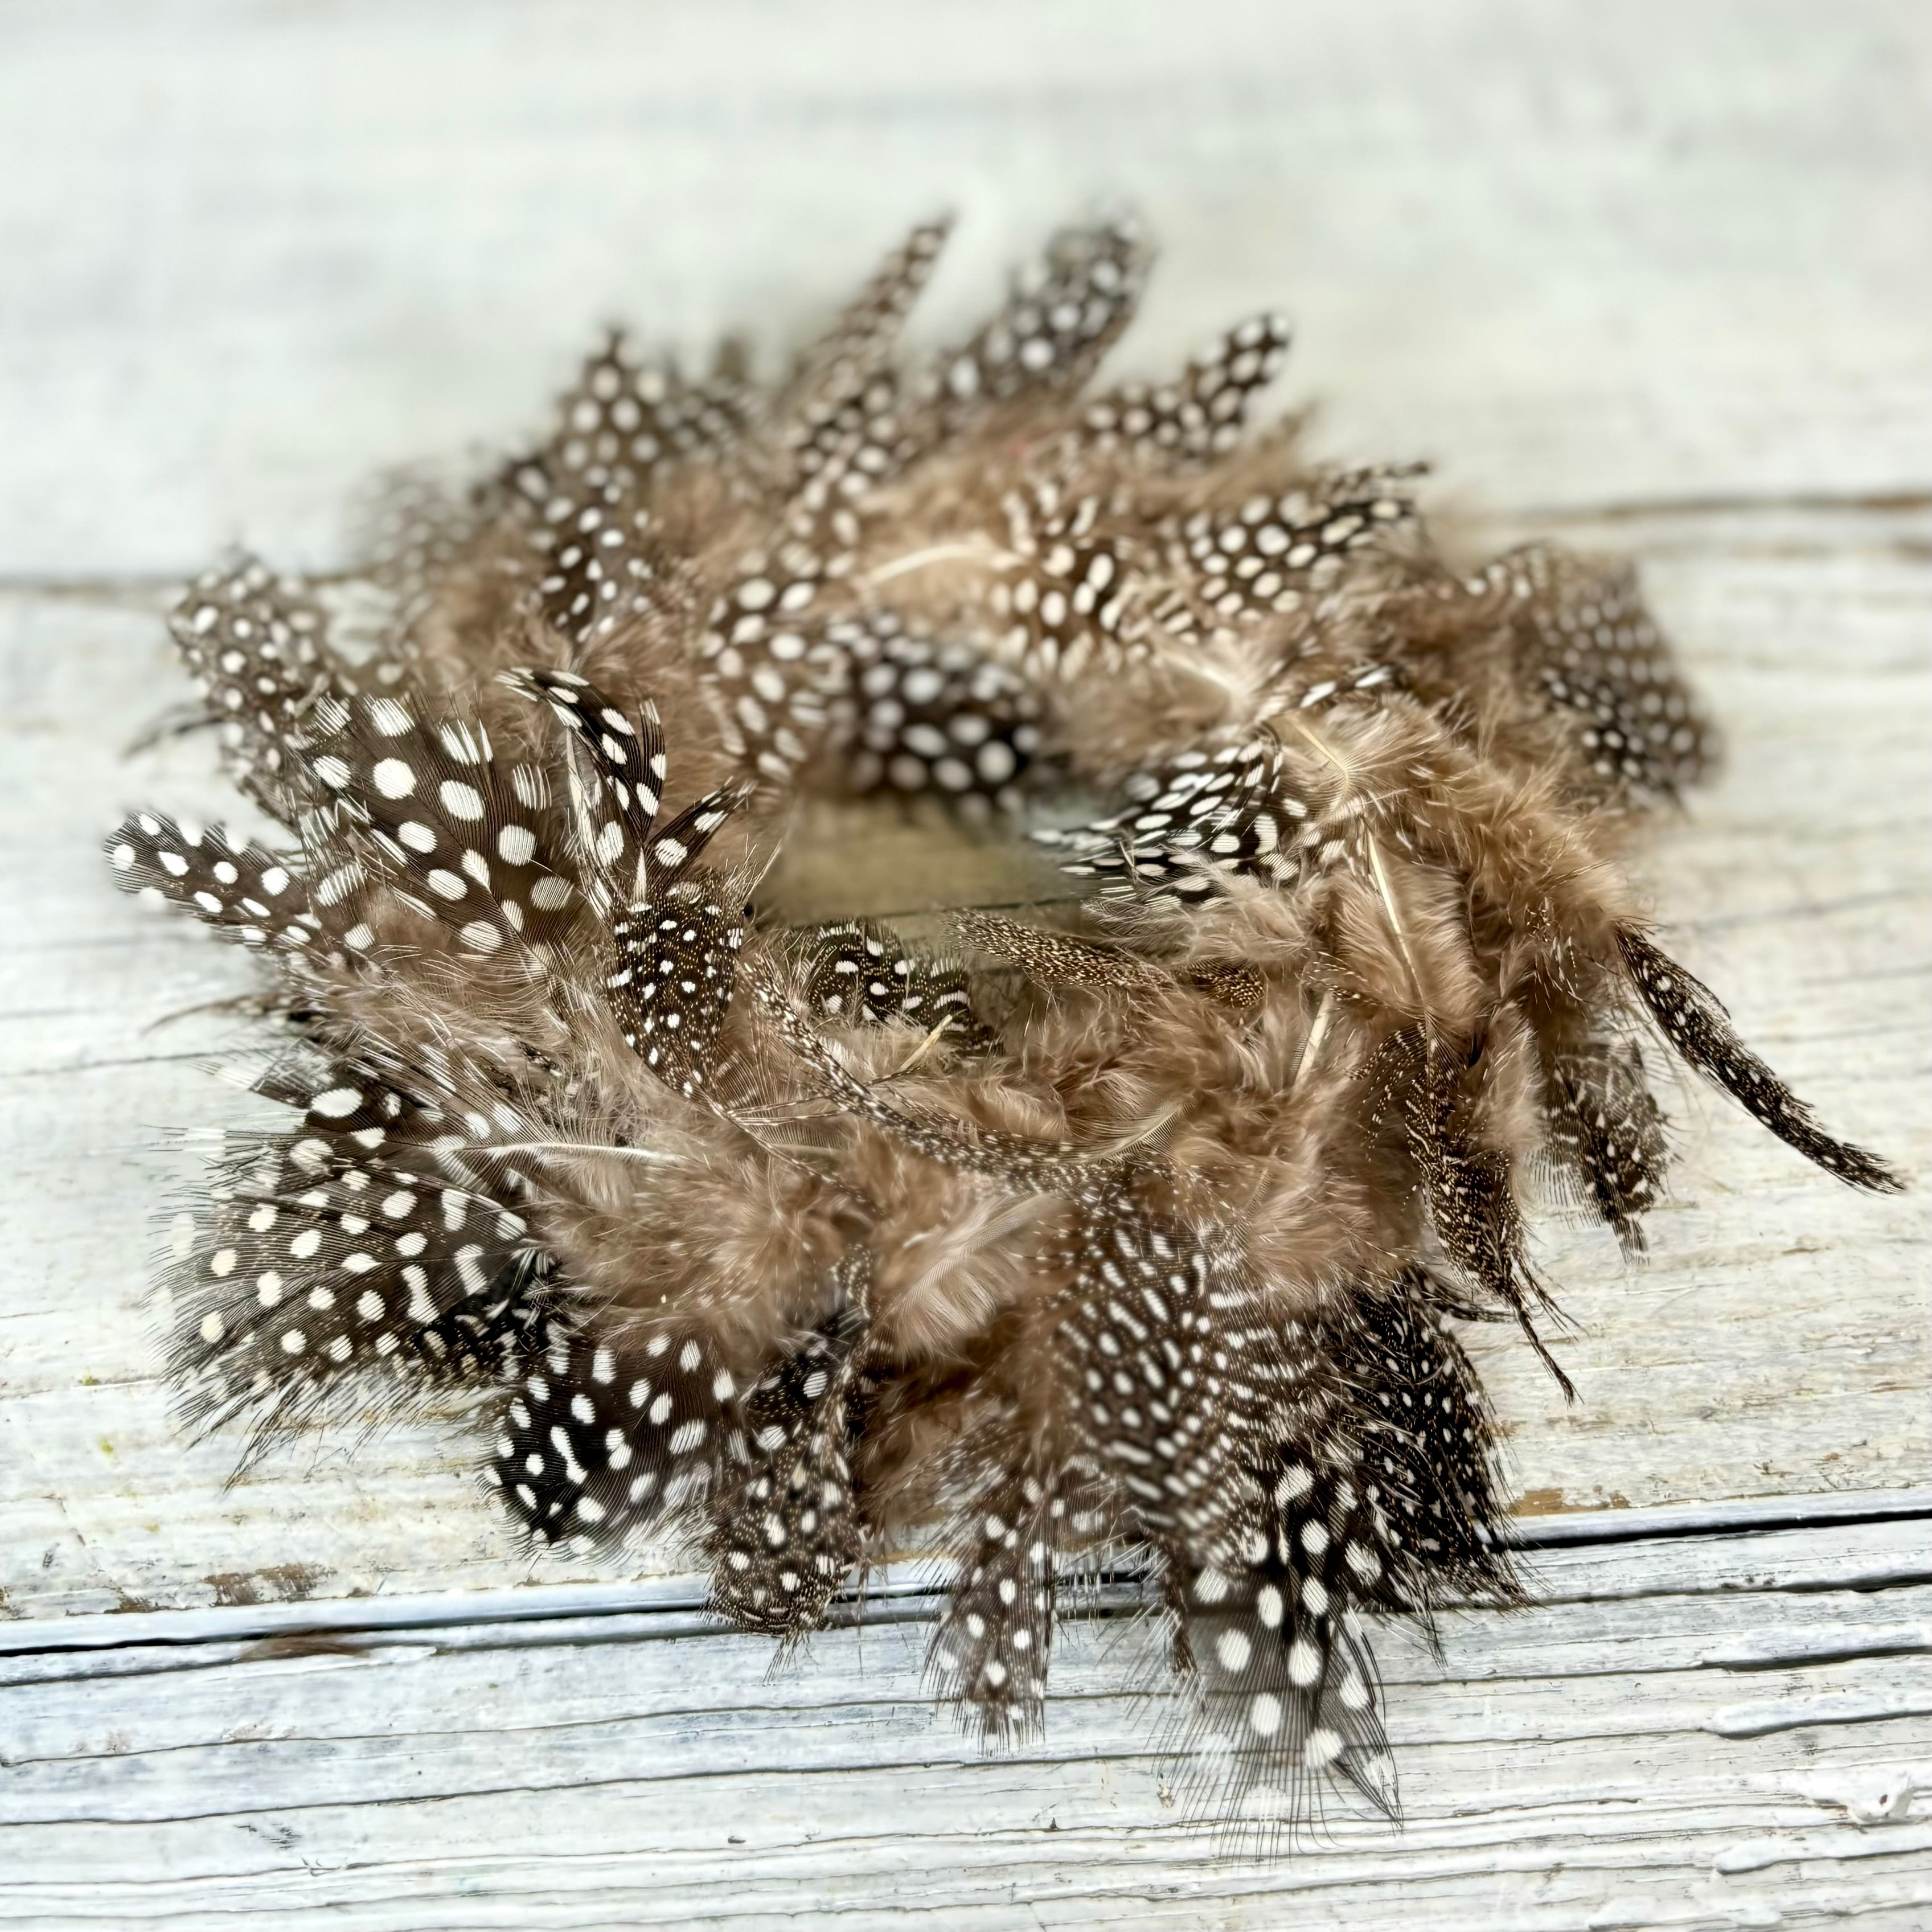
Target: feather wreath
<point>1150,1243</point>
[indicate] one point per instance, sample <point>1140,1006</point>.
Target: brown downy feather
<point>1147,1248</point>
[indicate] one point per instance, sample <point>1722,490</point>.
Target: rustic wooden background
<point>1653,277</point>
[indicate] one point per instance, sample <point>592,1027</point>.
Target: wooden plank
<point>1575,252</point>
<point>1632,275</point>
<point>1686,1734</point>
<point>902,1587</point>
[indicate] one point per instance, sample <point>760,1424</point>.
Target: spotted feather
<point>1594,653</point>
<point>1606,1133</point>
<point>1435,1093</point>
<point>919,717</point>
<point>1059,320</point>
<point>991,1648</point>
<point>1202,414</point>
<point>311,1262</point>
<point>1434,1523</point>
<point>466,843</point>
<point>256,647</point>
<point>1694,1022</point>
<point>1188,1388</point>
<point>247,893</point>
<point>600,1436</point>
<point>786,1530</point>
<point>860,972</point>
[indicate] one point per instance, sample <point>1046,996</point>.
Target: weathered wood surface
<point>1649,277</point>
<point>1579,253</point>
<point>1722,1731</point>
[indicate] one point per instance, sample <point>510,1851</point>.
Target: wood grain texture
<point>1574,252</point>
<point>1647,277</point>
<point>1719,1732</point>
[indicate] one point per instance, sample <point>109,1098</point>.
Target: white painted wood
<point>1783,1531</point>
<point>1574,252</point>
<point>1697,1733</point>
<point>1648,276</point>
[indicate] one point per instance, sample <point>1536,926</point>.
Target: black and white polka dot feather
<point>860,973</point>
<point>1234,812</point>
<point>469,843</point>
<point>990,1649</point>
<point>1202,414</point>
<point>920,717</point>
<point>1186,1399</point>
<point>256,647</point>
<point>310,1262</point>
<point>1432,1096</point>
<point>786,1529</point>
<point>1606,1133</point>
<point>627,757</point>
<point>1597,655</point>
<point>1425,1445</point>
<point>585,497</point>
<point>598,1437</point>
<point>1058,321</point>
<point>247,893</point>
<point>1697,1026</point>
<point>675,927</point>
<point>1238,566</point>
<point>671,986</point>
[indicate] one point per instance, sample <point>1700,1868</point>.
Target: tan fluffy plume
<point>1142,1244</point>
